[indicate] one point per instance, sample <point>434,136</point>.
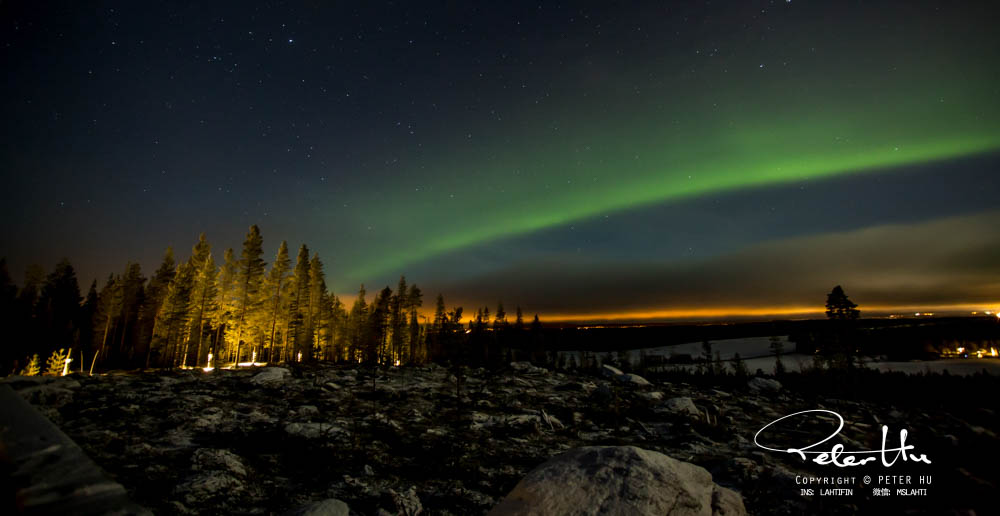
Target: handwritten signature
<point>839,457</point>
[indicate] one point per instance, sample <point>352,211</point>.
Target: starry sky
<point>584,160</point>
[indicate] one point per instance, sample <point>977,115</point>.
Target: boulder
<point>618,480</point>
<point>764,385</point>
<point>611,371</point>
<point>625,378</point>
<point>652,396</point>
<point>270,376</point>
<point>328,507</point>
<point>633,379</point>
<point>682,405</point>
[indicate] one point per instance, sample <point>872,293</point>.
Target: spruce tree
<point>397,321</point>
<point>338,328</point>
<point>56,363</point>
<point>226,303</point>
<point>58,307</point>
<point>378,326</point>
<point>206,292</point>
<point>276,283</point>
<point>248,279</point>
<point>357,327</point>
<point>133,285</point>
<point>315,307</point>
<point>34,367</point>
<point>156,292</point>
<point>86,320</point>
<point>777,348</point>
<point>109,306</point>
<point>297,301</point>
<point>415,299</point>
<point>176,313</point>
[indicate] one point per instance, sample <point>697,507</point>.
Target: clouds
<point>940,262</point>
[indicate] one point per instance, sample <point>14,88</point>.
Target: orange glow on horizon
<point>426,312</point>
<point>746,311</point>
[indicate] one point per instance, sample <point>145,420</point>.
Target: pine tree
<point>109,306</point>
<point>416,343</point>
<point>276,286</point>
<point>338,330</point>
<point>298,300</point>
<point>839,307</point>
<point>500,318</point>
<point>86,320</point>
<point>56,363</point>
<point>839,343</point>
<point>706,358</point>
<point>200,254</point>
<point>205,299</point>
<point>176,312</point>
<point>740,367</point>
<point>378,327</point>
<point>315,307</point>
<point>248,278</point>
<point>357,327</point>
<point>156,292</point>
<point>777,348</point>
<point>132,285</point>
<point>397,321</point>
<point>58,307</point>
<point>32,331</point>
<point>34,367</point>
<point>226,303</point>
<point>417,346</point>
<point>440,316</point>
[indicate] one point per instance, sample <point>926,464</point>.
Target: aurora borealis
<point>574,159</point>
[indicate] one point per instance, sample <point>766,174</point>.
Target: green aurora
<point>606,164</point>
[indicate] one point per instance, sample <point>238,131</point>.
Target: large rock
<point>682,405</point>
<point>611,371</point>
<point>633,379</point>
<point>618,480</point>
<point>765,385</point>
<point>625,378</point>
<point>270,376</point>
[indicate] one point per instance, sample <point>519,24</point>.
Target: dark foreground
<point>263,441</point>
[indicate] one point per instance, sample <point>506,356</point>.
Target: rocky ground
<point>270,440</point>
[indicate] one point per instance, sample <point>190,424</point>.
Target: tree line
<point>200,313</point>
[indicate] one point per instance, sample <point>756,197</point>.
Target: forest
<point>199,313</point>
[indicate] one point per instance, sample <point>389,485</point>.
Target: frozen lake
<point>756,352</point>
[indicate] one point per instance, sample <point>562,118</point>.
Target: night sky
<point>690,160</point>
